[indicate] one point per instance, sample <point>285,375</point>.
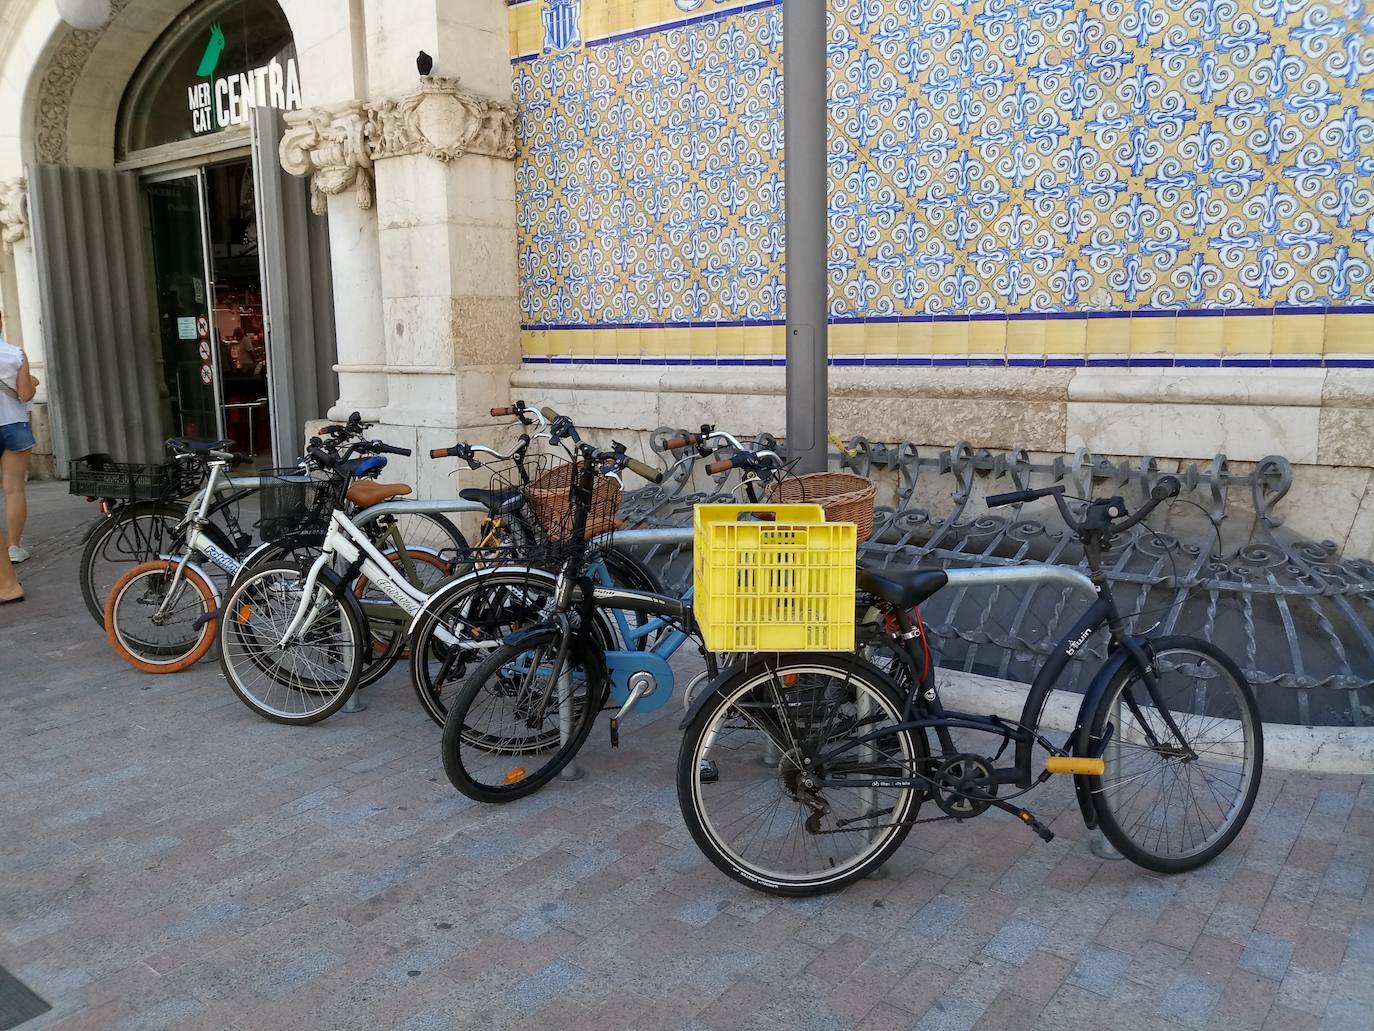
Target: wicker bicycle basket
<point>846,497</point>
<point>549,496</point>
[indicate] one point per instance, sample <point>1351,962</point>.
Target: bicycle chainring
<point>964,786</point>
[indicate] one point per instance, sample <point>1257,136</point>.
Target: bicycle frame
<point>346,543</point>
<point>927,712</point>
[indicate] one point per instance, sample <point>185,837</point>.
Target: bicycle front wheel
<point>808,789</point>
<point>514,724</point>
<point>157,621</point>
<point>1171,805</point>
<point>310,676</point>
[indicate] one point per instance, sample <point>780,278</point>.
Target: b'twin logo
<point>1077,642</point>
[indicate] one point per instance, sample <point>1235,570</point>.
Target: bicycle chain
<point>885,826</point>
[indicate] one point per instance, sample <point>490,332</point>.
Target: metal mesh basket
<point>294,502</point>
<point>99,476</point>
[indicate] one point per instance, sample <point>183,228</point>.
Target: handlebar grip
<point>333,427</point>
<point>389,449</point>
<point>242,460</point>
<point>645,471</point>
<point>673,443</point>
<point>1166,487</point>
<point>322,458</point>
<point>1016,497</point>
<point>1011,497</point>
<point>723,466</point>
<point>499,412</point>
<point>441,452</point>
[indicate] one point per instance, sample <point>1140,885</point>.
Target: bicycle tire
<point>173,657</point>
<point>458,733</point>
<point>390,644</point>
<point>138,545</point>
<point>426,648</point>
<point>245,601</point>
<point>1112,807</point>
<point>707,727</point>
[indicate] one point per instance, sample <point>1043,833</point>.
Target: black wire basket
<point>539,516</point>
<point>294,502</point>
<point>99,476</point>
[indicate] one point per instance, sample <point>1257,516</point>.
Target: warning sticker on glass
<point>186,327</point>
<point>205,374</point>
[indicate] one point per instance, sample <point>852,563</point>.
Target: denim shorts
<point>16,436</point>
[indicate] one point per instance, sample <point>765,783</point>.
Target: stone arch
<point>67,83</point>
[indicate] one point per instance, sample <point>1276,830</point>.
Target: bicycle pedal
<point>707,771</point>
<point>615,731</point>
<point>1030,821</point>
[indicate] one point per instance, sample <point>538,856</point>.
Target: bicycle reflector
<point>1077,764</point>
<point>244,614</point>
<point>516,775</point>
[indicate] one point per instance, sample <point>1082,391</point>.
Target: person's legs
<point>14,467</point>
<point>9,583</point>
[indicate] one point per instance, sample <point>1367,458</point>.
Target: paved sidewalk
<point>169,860</point>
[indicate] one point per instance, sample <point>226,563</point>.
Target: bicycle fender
<point>704,696</point>
<point>1082,729</point>
<point>334,583</point>
<point>462,582</point>
<point>200,571</point>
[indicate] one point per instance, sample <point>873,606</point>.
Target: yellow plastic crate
<point>779,585</point>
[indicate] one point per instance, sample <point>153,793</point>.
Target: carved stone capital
<point>442,120</point>
<point>14,211</point>
<point>336,146</point>
<point>329,145</point>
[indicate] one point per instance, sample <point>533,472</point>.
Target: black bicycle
<point>1166,754</point>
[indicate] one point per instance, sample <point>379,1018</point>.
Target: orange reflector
<point>516,775</point>
<point>789,680</point>
<point>1076,764</point>
<point>245,613</point>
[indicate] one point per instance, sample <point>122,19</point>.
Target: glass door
<point>176,213</point>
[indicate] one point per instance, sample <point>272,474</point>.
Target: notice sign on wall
<point>225,100</point>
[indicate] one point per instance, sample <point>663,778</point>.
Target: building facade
<point>1139,228</point>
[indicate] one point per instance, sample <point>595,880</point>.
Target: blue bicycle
<point>523,713</point>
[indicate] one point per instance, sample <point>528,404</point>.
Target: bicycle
<point>852,759</point>
<point>481,609</point>
<point>160,615</point>
<point>536,696</point>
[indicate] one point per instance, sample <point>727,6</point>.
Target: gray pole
<point>804,124</point>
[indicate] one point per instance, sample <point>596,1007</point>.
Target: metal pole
<point>807,213</point>
<point>1098,844</point>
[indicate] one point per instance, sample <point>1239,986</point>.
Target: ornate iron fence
<point>1296,615</point>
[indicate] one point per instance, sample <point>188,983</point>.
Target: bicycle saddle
<point>362,466</point>
<point>185,445</point>
<point>496,501</point>
<point>366,493</point>
<point>902,587</point>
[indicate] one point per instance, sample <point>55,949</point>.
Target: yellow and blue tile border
<point>1253,338</point>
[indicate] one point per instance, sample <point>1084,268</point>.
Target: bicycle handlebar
<point>1165,487</point>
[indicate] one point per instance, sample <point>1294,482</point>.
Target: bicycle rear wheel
<point>1167,807</point>
<point>511,728</point>
<point>152,624</point>
<point>312,676</point>
<point>810,761</point>
<point>135,533</point>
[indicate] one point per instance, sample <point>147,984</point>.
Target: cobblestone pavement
<point>168,859</point>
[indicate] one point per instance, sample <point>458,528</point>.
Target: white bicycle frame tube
<point>348,543</point>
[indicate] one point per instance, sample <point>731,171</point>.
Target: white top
<point>11,408</point>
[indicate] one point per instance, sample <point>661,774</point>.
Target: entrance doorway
<point>210,307</point>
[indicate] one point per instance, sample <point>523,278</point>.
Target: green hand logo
<point>212,51</point>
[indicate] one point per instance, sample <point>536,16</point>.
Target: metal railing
<point>1296,615</point>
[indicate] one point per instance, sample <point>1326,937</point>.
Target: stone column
<point>329,145</point>
<point>443,155</point>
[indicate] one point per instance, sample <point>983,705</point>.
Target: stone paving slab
<point>169,860</point>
